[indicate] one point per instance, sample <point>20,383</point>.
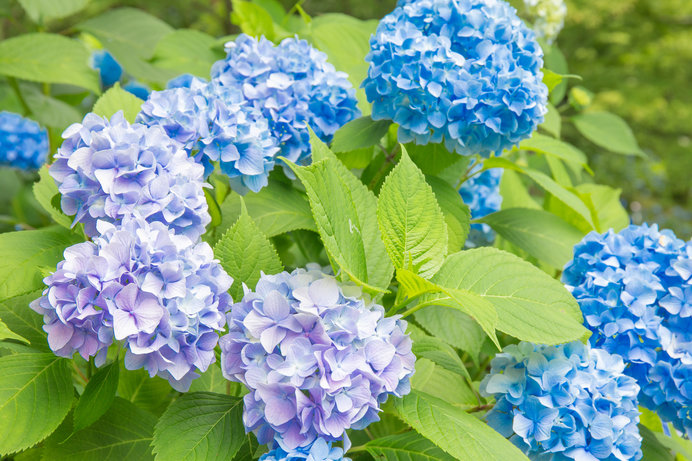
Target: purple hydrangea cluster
<point>215,124</point>
<point>565,402</point>
<point>317,358</point>
<point>634,288</point>
<point>482,195</point>
<point>294,87</point>
<point>466,72</point>
<point>319,450</point>
<point>23,143</point>
<point>162,295</point>
<point>108,170</point>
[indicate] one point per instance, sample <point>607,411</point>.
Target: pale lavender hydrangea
<point>162,295</point>
<point>317,357</point>
<point>107,170</point>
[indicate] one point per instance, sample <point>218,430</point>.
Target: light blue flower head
<point>160,294</point>
<point>106,170</point>
<point>466,72</point>
<point>23,143</point>
<point>481,193</point>
<point>634,288</point>
<point>317,357</point>
<point>294,87</point>
<point>216,125</point>
<point>565,402</point>
<point>319,450</point>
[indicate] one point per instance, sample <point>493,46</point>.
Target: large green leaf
<point>49,111</point>
<point>608,131</point>
<point>252,19</point>
<point>35,396</point>
<point>551,146</point>
<point>123,433</point>
<point>530,304</point>
<point>19,318</point>
<point>26,253</point>
<point>46,193</point>
<point>456,212</point>
<point>97,397</point>
<point>117,99</point>
<point>455,431</point>
<point>346,215</point>
<point>244,252</point>
<point>187,51</point>
<point>408,446</point>
<point>435,380</point>
<point>200,426</point>
<point>453,327</point>
<point>49,58</point>
<point>42,11</point>
<point>359,133</point>
<point>438,351</point>
<point>150,394</point>
<point>6,333</point>
<point>412,224</point>
<point>433,159</point>
<point>541,234</point>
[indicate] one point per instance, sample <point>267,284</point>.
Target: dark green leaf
<point>19,318</point>
<point>45,191</point>
<point>453,327</point>
<point>359,133</point>
<point>6,333</point>
<point>409,446</point>
<point>457,214</point>
<point>97,397</point>
<point>150,394</point>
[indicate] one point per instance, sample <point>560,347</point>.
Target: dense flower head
<point>316,356</point>
<point>108,68</point>
<point>319,450</point>
<point>294,87</point>
<point>466,72</point>
<point>634,288</point>
<point>107,170</point>
<point>481,193</point>
<point>547,17</point>
<point>216,124</point>
<point>564,402</point>
<point>161,294</point>
<point>23,143</point>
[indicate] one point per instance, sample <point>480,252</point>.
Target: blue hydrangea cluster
<point>108,68</point>
<point>565,402</point>
<point>107,170</point>
<point>160,294</point>
<point>317,358</point>
<point>634,288</point>
<point>319,450</point>
<point>482,195</point>
<point>215,124</point>
<point>466,72</point>
<point>294,87</point>
<point>23,143</point>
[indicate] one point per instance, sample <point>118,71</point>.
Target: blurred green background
<point>635,57</point>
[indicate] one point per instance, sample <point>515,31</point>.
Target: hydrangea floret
<point>466,72</point>
<point>160,294</point>
<point>481,192</point>
<point>294,87</point>
<point>634,288</point>
<point>23,143</point>
<point>108,170</point>
<point>565,402</point>
<point>108,68</point>
<point>215,124</point>
<point>317,357</point>
<point>319,450</point>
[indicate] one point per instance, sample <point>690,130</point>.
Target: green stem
<point>18,92</point>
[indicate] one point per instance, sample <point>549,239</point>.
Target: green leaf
<point>252,19</point>
<point>49,111</point>
<point>453,327</point>
<point>19,318</point>
<point>42,11</point>
<point>46,192</point>
<point>6,333</point>
<point>604,204</point>
<point>553,121</point>
<point>412,224</point>
<point>435,380</point>
<point>212,380</point>
<point>408,446</point>
<point>244,252</point>
<point>652,448</point>
<point>35,396</point>
<point>359,133</point>
<point>432,159</point>
<point>541,234</point>
<point>455,431</point>
<point>150,394</point>
<point>551,79</point>
<point>438,351</point>
<point>514,193</point>
<point>551,146</point>
<point>531,305</point>
<point>556,62</point>
<point>456,212</point>
<point>97,397</point>
<point>124,432</point>
<point>608,131</point>
<point>49,58</point>
<point>187,51</point>
<point>117,99</point>
<point>200,426</point>
<point>25,253</point>
<point>345,212</point>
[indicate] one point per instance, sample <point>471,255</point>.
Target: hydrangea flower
<point>634,288</point>
<point>294,87</point>
<point>216,124</point>
<point>159,293</point>
<point>564,402</point>
<point>23,143</point>
<point>108,68</point>
<point>319,450</point>
<point>546,16</point>
<point>482,195</point>
<point>138,89</point>
<point>466,72</point>
<point>110,169</point>
<point>317,358</point>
